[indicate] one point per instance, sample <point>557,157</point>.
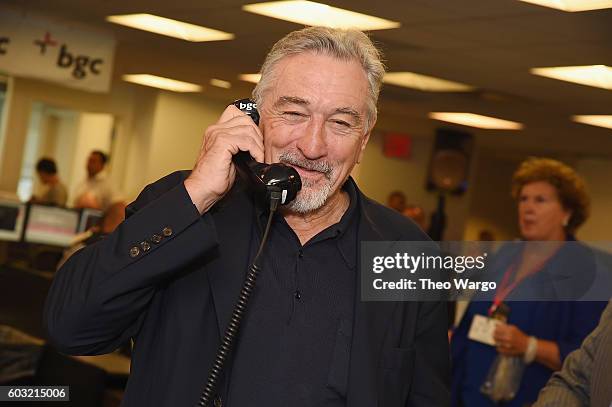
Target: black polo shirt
<point>294,344</point>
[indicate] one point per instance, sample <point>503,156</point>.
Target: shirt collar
<point>348,226</point>
<point>344,232</point>
<point>101,176</point>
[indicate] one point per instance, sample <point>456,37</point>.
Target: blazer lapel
<point>234,221</point>
<point>370,321</point>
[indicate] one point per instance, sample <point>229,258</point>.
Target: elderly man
<point>170,274</point>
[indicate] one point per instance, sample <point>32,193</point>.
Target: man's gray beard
<point>309,199</point>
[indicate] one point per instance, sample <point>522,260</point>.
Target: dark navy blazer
<point>174,297</point>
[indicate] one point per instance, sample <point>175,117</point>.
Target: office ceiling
<point>490,44</point>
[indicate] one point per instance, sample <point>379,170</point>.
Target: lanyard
<point>505,289</point>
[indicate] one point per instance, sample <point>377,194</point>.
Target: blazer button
<point>167,231</point>
<point>156,238</point>
<point>134,251</point>
<point>218,402</point>
<point>145,246</point>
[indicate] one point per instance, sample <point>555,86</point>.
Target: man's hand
<point>214,173</point>
<point>510,340</point>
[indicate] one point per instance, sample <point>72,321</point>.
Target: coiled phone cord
<point>225,347</point>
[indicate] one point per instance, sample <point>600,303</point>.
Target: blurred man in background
<point>397,201</point>
<point>96,191</point>
<point>55,192</point>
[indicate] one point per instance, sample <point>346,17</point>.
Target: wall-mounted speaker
<point>449,164</point>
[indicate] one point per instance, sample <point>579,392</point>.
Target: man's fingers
<point>250,144</point>
<point>237,138</point>
<point>229,113</point>
<point>213,171</point>
<point>238,124</point>
<point>248,131</point>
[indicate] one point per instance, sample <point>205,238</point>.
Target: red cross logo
<point>44,42</point>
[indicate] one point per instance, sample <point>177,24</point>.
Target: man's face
<point>44,177</point>
<point>313,119</point>
<point>94,164</point>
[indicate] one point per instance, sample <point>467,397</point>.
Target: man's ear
<point>364,143</point>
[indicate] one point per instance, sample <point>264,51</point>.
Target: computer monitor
<point>51,225</point>
<point>89,218</point>
<point>12,215</point>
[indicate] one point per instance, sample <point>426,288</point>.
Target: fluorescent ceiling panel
<point>573,5</point>
<point>319,14</point>
<point>250,77</point>
<point>476,120</point>
<point>595,120</point>
<point>162,83</point>
<point>599,76</point>
<point>424,82</point>
<point>220,83</point>
<point>169,27</point>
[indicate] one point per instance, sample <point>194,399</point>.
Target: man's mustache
<point>294,158</point>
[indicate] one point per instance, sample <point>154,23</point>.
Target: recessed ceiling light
<point>600,120</point>
<point>573,5</point>
<point>169,27</point>
<point>476,120</point>
<point>599,76</point>
<point>319,14</point>
<point>162,83</point>
<point>424,82</point>
<point>220,83</point>
<point>250,77</point>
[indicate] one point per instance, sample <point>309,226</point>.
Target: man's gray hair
<point>342,44</point>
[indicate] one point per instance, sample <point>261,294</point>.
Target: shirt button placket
<point>300,254</point>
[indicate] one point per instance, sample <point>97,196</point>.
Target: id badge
<point>482,329</point>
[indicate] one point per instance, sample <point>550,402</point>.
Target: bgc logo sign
<point>34,47</point>
<point>80,65</point>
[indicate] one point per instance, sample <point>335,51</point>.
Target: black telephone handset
<point>278,184</point>
<point>267,180</point>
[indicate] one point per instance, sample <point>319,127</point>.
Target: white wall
<point>166,136</point>
<point>178,128</point>
<point>137,146</point>
<point>26,174</point>
<point>596,173</point>
<point>65,147</point>
<point>379,175</point>
<point>492,206</point>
